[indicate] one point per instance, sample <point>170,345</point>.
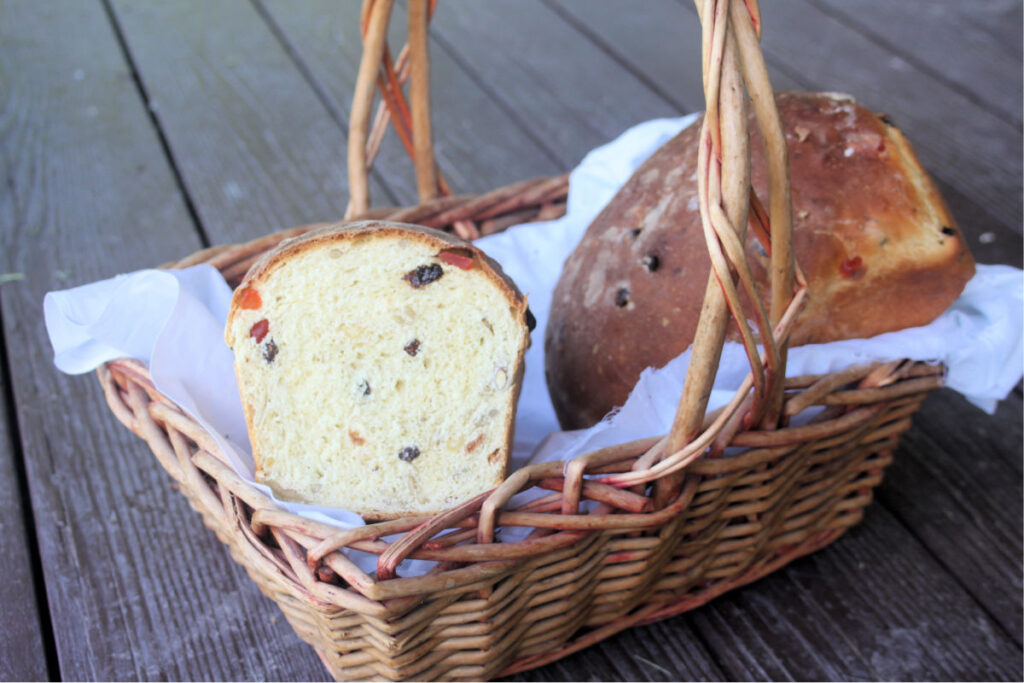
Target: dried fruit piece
<point>250,299</point>
<point>651,262</point>
<point>851,267</point>
<point>946,230</point>
<point>531,321</point>
<point>364,387</point>
<point>259,330</point>
<point>423,275</point>
<point>622,298</point>
<point>472,445</point>
<point>460,258</point>
<point>270,351</point>
<point>409,453</point>
<point>413,347</point>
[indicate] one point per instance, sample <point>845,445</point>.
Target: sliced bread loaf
<point>379,366</point>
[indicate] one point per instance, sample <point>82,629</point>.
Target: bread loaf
<point>379,366</point>
<point>878,246</point>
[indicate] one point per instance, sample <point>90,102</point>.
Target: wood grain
<point>873,606</point>
<point>935,38</point>
<point>22,649</point>
<point>248,133</point>
<point>137,588</point>
<point>670,650</point>
<point>568,90</point>
<point>474,136</point>
<point>957,476</point>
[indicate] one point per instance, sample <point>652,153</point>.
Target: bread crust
<point>325,235</point>
<point>876,242</point>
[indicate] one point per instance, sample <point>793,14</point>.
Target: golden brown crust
<point>874,238</point>
<point>331,233</point>
<point>334,233</point>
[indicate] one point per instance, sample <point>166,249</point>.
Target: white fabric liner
<point>174,320</point>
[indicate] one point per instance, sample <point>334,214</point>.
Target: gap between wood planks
<point>335,112</point>
<point>23,498</point>
<point>910,58</point>
<point>154,119</point>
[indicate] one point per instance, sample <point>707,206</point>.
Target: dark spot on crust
<point>531,322</point>
<point>409,453</point>
<point>884,118</point>
<point>635,232</point>
<point>423,275</point>
<point>651,262</point>
<point>364,387</point>
<point>270,351</point>
<point>413,347</point>
<point>622,298</point>
<point>946,230</point>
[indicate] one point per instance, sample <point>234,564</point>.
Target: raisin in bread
<point>880,250</point>
<point>379,366</point>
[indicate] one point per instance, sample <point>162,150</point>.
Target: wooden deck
<point>132,133</point>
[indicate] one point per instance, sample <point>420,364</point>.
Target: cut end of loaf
<point>379,367</point>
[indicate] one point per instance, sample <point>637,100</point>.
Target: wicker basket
<point>674,524</point>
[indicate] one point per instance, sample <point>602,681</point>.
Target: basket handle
<point>734,68</point>
<point>411,118</point>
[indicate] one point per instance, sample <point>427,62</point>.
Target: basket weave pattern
<point>624,535</point>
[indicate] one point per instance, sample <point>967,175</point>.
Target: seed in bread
<point>379,366</point>
<point>878,246</point>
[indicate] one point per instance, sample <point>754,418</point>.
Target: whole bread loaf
<point>876,242</point>
<point>379,366</point>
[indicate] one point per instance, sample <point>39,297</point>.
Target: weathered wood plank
<point>934,38</point>
<point>248,133</point>
<point>22,631</point>
<point>1001,19</point>
<point>473,135</point>
<point>956,482</point>
<point>665,651</point>
<point>137,588</point>
<point>565,88</point>
<point>873,606</point>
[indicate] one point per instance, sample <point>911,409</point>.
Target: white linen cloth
<point>174,320</point>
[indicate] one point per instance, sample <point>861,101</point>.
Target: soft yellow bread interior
<point>368,393</point>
